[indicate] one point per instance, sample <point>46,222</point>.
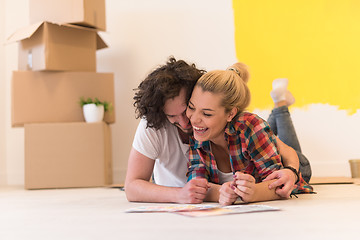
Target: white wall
<point>16,16</point>
<point>141,34</point>
<point>2,96</point>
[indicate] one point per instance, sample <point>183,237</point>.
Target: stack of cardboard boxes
<point>57,66</point>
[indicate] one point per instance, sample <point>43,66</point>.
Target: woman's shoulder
<point>247,122</point>
<point>249,119</point>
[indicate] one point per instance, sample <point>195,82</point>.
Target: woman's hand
<point>244,186</point>
<point>227,195</point>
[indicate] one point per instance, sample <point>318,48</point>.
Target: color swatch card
<point>202,210</point>
<point>171,208</point>
<point>225,210</point>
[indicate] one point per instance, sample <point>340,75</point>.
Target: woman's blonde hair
<point>231,83</point>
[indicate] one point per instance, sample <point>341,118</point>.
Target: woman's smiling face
<point>207,116</point>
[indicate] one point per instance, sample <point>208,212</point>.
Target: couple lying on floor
<point>197,142</point>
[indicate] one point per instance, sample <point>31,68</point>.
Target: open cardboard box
<point>66,155</point>
<point>90,13</point>
<point>49,46</point>
<point>47,97</point>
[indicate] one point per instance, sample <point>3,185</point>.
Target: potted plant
<point>94,110</point>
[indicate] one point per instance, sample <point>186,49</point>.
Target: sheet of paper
<point>202,210</point>
<point>233,209</point>
<point>170,208</point>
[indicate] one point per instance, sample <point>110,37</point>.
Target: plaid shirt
<point>252,150</point>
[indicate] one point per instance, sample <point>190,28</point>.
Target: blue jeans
<point>282,126</point>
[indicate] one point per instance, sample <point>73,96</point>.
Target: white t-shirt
<point>168,151</point>
<point>225,177</point>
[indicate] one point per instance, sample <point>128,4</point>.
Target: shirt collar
<point>230,128</point>
<point>203,145</point>
<point>229,131</point>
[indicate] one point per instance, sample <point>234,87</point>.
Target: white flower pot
<point>93,113</point>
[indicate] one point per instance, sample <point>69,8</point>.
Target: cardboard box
<point>41,97</point>
<point>48,46</point>
<point>90,13</point>
<point>66,155</point>
<point>331,180</point>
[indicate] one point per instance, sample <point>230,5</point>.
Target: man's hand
<point>194,191</point>
<point>245,186</point>
<point>227,195</point>
<point>285,182</point>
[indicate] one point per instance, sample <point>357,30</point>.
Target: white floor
<point>98,213</point>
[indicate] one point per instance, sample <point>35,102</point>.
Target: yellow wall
<point>315,44</point>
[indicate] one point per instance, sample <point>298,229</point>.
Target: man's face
<point>175,111</point>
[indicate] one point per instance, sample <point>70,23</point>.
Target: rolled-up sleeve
<point>196,167</point>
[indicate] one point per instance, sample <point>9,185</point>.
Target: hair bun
<point>240,69</point>
<point>235,70</point>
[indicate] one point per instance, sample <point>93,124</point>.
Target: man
<point>161,146</point>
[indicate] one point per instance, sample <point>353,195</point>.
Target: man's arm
<point>288,154</point>
<point>250,191</point>
<point>139,189</point>
<point>285,177</point>
<point>213,193</point>
<point>226,195</point>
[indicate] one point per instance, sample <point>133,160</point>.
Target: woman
<point>231,147</point>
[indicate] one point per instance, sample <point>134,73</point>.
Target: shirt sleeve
<point>196,167</point>
<point>147,141</point>
<point>263,150</point>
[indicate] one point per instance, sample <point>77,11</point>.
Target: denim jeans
<point>282,126</point>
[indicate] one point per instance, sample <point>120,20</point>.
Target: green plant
<point>97,102</point>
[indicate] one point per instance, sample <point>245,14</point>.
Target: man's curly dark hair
<point>162,84</point>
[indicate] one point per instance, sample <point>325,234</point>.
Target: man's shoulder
<point>164,132</point>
